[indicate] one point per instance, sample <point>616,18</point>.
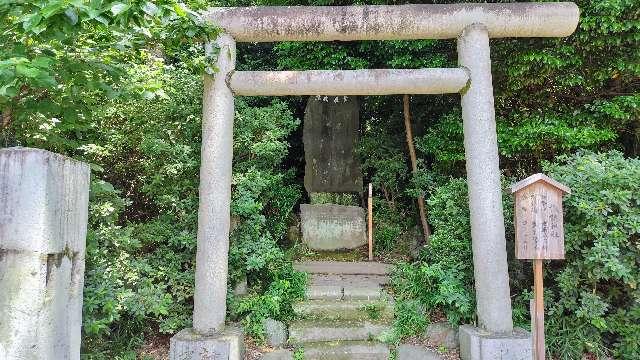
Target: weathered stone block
<point>43,223</point>
<point>330,134</point>
<point>442,334</point>
<point>280,354</point>
<point>332,227</point>
<point>415,352</point>
<point>225,345</point>
<point>479,344</point>
<point>275,332</point>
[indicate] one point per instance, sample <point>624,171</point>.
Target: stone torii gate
<point>472,25</point>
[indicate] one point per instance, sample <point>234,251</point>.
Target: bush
<point>142,239</point>
<point>592,298</point>
<point>595,298</point>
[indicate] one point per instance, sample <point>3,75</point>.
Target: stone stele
<point>332,227</point>
<point>331,125</point>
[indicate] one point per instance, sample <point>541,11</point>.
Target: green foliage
<point>390,224</point>
<point>288,285</point>
<point>58,56</point>
<point>596,288</point>
<point>143,211</point>
<point>442,279</point>
<point>411,319</point>
<point>592,296</point>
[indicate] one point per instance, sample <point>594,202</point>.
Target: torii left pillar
<point>209,338</point>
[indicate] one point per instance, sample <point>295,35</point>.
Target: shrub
<point>142,240</point>
<point>595,298</point>
<point>592,297</point>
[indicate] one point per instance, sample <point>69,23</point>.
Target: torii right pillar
<point>495,337</point>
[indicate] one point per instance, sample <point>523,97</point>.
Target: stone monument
<point>331,129</point>
<point>330,135</point>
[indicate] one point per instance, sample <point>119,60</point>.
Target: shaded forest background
<point>118,85</point>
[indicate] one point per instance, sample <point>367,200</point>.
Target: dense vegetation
<point>118,84</point>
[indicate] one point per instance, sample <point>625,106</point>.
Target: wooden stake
<point>370,222</point>
<point>538,316</point>
<point>414,168</point>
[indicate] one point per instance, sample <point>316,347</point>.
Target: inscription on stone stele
<point>330,134</point>
<point>538,218</point>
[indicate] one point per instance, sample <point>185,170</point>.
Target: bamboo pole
<point>538,289</point>
<point>414,168</point>
<point>370,208</point>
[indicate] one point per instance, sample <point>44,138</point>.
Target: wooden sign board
<point>538,217</point>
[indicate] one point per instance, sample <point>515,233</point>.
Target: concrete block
<point>43,226</point>
<point>275,332</point>
<point>281,354</point>
<point>227,344</point>
<point>333,227</point>
<point>415,352</point>
<point>442,334</point>
<point>370,292</point>
<point>353,350</point>
<point>343,310</point>
<point>479,344</point>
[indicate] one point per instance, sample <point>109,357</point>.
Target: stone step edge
<point>344,309</point>
<point>358,330</point>
<point>333,347</point>
<point>339,292</point>
<point>343,267</point>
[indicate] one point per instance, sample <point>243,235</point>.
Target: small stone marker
<point>539,236</point>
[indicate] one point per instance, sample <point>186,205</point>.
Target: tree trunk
<point>414,167</point>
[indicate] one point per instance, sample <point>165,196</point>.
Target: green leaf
<point>118,8</point>
<point>31,21</point>
<point>27,71</point>
<point>150,8</point>
<point>72,15</point>
<point>179,9</point>
<point>42,61</point>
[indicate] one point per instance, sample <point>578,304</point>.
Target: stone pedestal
<point>479,344</point>
<point>227,344</point>
<point>43,226</point>
<point>333,227</point>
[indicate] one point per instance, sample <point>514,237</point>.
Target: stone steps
<point>340,292</point>
<point>346,350</point>
<point>344,310</point>
<point>343,268</point>
<point>345,315</point>
<point>315,331</point>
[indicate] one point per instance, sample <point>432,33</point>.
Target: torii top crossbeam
<point>393,22</point>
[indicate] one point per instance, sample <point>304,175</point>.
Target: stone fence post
<point>43,226</point>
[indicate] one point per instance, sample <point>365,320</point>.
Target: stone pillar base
<point>228,344</point>
<point>479,344</point>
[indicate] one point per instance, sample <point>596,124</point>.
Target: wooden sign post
<point>370,218</point>
<point>539,236</point>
